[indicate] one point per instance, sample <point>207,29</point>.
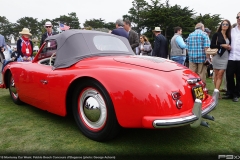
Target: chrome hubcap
<point>13,88</point>
<point>93,109</point>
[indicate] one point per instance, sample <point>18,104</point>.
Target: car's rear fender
<point>150,94</point>
<point>71,89</point>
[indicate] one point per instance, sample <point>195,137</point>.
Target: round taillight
<point>176,95</point>
<point>179,104</point>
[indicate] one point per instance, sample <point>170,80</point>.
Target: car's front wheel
<point>13,91</point>
<point>94,112</point>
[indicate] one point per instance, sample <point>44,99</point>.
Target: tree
<point>99,24</point>
<point>211,22</point>
<point>28,22</point>
<point>12,31</point>
<point>5,28</point>
<point>110,25</point>
<point>70,20</point>
<point>94,23</point>
<point>137,15</point>
<point>157,14</point>
<point>168,17</point>
<point>74,24</point>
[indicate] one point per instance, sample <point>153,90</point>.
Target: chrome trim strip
<point>174,122</point>
<point>193,80</point>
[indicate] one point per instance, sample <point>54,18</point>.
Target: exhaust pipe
<point>205,124</point>
<point>209,117</point>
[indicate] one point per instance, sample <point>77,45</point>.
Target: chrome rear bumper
<point>194,120</point>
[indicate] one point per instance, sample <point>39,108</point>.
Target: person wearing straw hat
<point>25,45</point>
<point>160,44</point>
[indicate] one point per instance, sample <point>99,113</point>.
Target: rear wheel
<point>13,91</point>
<point>94,112</point>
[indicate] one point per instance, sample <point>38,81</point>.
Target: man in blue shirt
<point>197,44</point>
<point>178,47</point>
<point>120,31</point>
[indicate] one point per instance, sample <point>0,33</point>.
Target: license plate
<point>198,92</point>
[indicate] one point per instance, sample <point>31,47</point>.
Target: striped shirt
<point>197,41</point>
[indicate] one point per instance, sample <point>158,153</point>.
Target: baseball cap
<point>48,23</point>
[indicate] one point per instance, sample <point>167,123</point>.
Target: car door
<point>37,86</point>
<point>37,76</point>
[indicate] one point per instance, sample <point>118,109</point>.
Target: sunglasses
<point>238,17</point>
<point>225,24</point>
<point>48,26</point>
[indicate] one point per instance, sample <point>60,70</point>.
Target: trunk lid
<point>155,63</point>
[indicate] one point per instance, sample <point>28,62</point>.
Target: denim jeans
<point>4,64</point>
<point>179,59</point>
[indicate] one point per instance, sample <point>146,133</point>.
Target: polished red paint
<point>140,89</point>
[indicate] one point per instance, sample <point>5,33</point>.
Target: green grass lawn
<point>26,130</point>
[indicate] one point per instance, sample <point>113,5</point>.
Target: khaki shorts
<point>200,69</point>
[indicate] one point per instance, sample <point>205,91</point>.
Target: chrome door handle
<point>43,81</point>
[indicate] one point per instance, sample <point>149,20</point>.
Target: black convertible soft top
<point>74,45</point>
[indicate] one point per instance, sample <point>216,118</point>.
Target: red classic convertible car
<point>96,77</point>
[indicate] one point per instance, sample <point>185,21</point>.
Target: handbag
<point>213,51</point>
